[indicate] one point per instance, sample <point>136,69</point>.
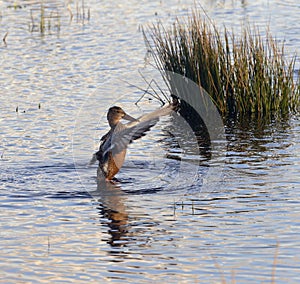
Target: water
<point>61,82</point>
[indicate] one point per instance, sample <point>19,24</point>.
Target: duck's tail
<point>93,160</point>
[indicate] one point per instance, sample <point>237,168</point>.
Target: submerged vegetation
<point>245,76</point>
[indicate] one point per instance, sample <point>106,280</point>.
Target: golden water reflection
<point>113,209</point>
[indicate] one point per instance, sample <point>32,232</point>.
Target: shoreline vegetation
<point>247,76</point>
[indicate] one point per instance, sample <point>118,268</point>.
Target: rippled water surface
<point>59,225</point>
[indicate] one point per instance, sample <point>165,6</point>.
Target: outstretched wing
<point>125,134</point>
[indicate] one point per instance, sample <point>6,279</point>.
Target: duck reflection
<point>112,207</point>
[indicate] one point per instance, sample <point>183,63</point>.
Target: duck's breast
<point>114,164</point>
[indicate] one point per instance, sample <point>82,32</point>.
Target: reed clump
<point>246,75</point>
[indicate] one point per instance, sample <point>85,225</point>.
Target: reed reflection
<point>258,139</point>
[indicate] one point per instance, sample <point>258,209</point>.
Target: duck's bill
<point>128,117</point>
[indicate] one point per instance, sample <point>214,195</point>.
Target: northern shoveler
<point>113,144</point>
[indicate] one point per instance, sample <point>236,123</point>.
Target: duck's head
<point>115,114</point>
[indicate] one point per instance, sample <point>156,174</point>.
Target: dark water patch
<point>53,168</point>
<point>69,195</point>
<point>144,191</point>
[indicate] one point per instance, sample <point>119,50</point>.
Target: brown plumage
<point>113,144</point>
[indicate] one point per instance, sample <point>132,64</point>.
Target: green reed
<point>245,75</point>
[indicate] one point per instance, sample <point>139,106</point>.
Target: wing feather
<point>122,135</point>
<point>126,134</point>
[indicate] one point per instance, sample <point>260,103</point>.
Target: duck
<point>113,145</point>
